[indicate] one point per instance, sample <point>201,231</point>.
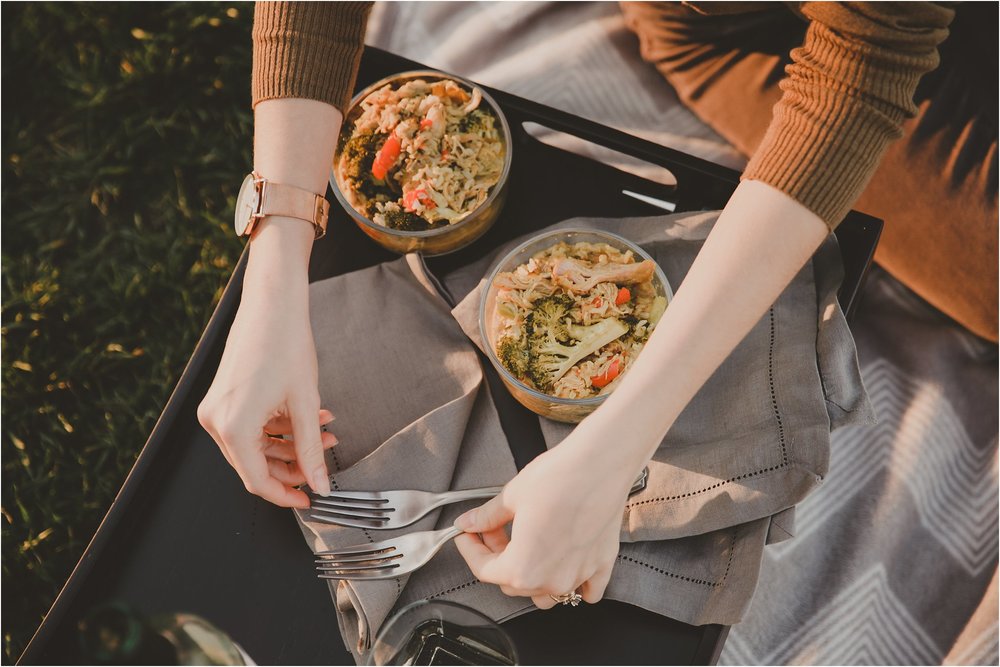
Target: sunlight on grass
<point>119,174</point>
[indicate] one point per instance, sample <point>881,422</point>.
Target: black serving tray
<point>183,534</point>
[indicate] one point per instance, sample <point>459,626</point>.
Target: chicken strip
<point>578,277</point>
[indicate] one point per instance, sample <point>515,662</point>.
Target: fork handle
<point>445,534</point>
<point>449,497</point>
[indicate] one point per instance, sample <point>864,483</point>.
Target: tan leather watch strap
<point>292,202</point>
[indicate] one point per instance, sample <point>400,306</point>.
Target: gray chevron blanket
<point>894,560</point>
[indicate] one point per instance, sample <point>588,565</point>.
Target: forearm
<point>760,241</point>
<point>304,59</point>
<point>294,140</point>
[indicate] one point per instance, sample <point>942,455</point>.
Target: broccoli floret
<point>475,121</point>
<point>513,354</point>
<point>405,221</point>
<point>359,153</point>
<point>551,359</point>
<point>547,318</point>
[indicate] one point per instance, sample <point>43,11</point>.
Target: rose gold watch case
<point>251,204</point>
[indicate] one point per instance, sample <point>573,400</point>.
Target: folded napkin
<point>413,411</point>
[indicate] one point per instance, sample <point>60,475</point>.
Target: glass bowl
<point>440,240</point>
<point>570,410</point>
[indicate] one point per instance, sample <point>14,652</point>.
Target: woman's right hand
<point>267,383</point>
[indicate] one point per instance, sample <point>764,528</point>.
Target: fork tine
<point>356,496</point>
<point>349,512</point>
<point>359,576</point>
<point>327,502</point>
<point>386,557</point>
<point>373,548</point>
<point>354,522</point>
<point>354,567</point>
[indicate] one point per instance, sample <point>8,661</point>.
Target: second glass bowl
<point>571,410</point>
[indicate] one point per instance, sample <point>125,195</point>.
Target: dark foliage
<point>126,131</point>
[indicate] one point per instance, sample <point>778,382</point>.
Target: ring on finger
<point>572,598</point>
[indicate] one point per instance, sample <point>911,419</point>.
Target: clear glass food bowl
<point>440,240</point>
<point>571,410</point>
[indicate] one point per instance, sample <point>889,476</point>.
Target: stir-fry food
<point>421,155</point>
<point>572,320</point>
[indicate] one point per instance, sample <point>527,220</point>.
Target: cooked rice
<point>519,290</point>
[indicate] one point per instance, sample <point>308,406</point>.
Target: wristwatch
<point>260,198</point>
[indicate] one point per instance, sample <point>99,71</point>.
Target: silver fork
<point>393,558</point>
<point>387,559</point>
<point>382,510</point>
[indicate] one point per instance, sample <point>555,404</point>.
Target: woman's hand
<point>566,514</point>
<point>267,381</point>
<point>266,384</point>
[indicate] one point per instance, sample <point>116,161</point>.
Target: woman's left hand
<point>566,512</point>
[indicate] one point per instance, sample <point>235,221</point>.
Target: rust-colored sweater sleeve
<point>307,49</point>
<point>844,98</point>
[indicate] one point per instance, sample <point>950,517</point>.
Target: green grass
<point>126,131</point>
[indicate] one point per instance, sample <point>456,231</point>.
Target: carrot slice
<point>386,158</point>
<point>605,378</point>
<point>623,296</point>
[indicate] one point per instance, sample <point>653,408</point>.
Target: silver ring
<point>573,599</point>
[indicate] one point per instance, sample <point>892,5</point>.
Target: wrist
<point>615,460</point>
<point>278,265</point>
<point>282,245</point>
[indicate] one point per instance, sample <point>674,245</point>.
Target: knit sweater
<point>845,95</point>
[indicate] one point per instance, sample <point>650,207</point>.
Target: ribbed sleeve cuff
<point>307,49</point>
<point>823,163</point>
<point>843,103</point>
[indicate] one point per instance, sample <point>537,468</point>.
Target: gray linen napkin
<point>413,412</point>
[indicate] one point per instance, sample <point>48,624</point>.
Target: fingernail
<point>320,482</point>
<point>327,417</point>
<point>328,442</point>
<point>465,521</point>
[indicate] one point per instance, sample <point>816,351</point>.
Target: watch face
<point>247,202</point>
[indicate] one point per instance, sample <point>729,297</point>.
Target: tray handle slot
<point>698,185</point>
<point>572,143</point>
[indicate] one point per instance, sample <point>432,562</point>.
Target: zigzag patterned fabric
<point>895,557</point>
